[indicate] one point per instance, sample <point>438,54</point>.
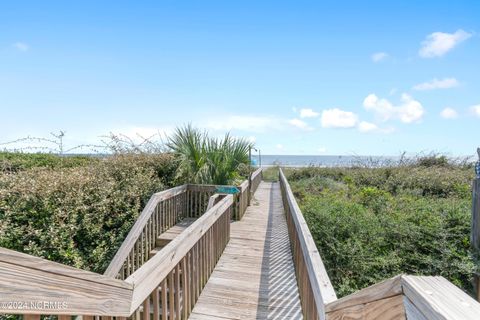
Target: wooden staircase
<point>167,237</point>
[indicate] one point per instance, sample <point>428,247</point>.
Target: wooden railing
<point>314,285</point>
<point>168,285</point>
<point>33,286</point>
<point>163,211</point>
<point>165,287</point>
<point>256,178</point>
<point>406,297</point>
<point>402,297</point>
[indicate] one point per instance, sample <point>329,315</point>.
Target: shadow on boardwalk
<point>255,277</point>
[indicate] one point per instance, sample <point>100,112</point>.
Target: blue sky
<point>298,77</point>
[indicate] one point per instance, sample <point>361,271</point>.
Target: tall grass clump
<point>207,160</point>
<point>373,223</point>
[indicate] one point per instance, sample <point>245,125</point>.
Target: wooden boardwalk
<point>255,277</point>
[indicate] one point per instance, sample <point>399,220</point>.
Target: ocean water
<point>322,161</point>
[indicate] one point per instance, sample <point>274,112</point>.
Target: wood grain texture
<point>255,276</point>
<point>388,288</point>
<point>256,178</point>
<point>384,309</point>
<point>311,273</point>
<point>411,310</point>
<point>437,298</point>
<point>24,278</point>
<point>137,230</point>
<point>149,276</point>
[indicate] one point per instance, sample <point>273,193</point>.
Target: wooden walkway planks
<point>255,277</point>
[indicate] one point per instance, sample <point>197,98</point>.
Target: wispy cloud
<point>445,83</point>
<point>410,110</point>
<point>369,127</point>
<point>449,113</point>
<point>365,126</point>
<point>300,124</point>
<point>379,56</point>
<point>337,118</point>
<point>439,43</point>
<point>21,46</point>
<point>308,113</point>
<point>476,110</point>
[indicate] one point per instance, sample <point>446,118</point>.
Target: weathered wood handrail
<point>402,297</point>
<point>313,282</point>
<point>406,297</point>
<point>182,268</point>
<point>161,212</point>
<point>256,178</point>
<point>168,284</point>
<point>32,285</point>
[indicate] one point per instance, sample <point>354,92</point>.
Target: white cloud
<point>439,43</point>
<point>379,56</point>
<point>449,113</point>
<point>308,113</point>
<point>367,127</point>
<point>280,146</point>
<point>408,111</point>
<point>299,124</point>
<point>21,46</point>
<point>322,149</point>
<point>445,83</point>
<point>476,110</point>
<point>336,118</point>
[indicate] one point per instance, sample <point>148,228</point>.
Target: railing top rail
<point>129,242</point>
<point>415,297</point>
<point>322,287</point>
<point>33,280</point>
<point>213,187</point>
<point>256,173</point>
<point>150,274</point>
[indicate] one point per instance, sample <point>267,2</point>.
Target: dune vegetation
<point>373,223</point>
<point>77,210</point>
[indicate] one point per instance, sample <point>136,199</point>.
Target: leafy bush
<point>12,162</point>
<point>80,215</point>
<point>373,223</point>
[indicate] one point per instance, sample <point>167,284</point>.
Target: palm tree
<point>208,160</point>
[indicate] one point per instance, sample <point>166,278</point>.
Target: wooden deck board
<point>255,277</point>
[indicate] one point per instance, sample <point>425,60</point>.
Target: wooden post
<point>475,237</point>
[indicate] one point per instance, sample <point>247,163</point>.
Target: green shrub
<point>373,223</point>
<point>79,216</point>
<point>15,161</point>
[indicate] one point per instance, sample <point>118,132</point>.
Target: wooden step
<point>166,237</point>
